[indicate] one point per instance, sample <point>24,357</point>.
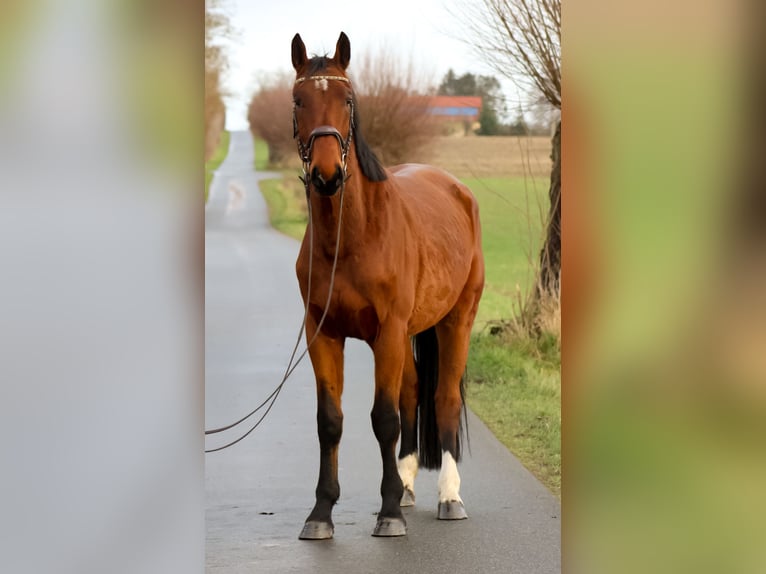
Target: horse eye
<point>297,103</point>
<point>349,101</point>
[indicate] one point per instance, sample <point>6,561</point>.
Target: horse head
<point>323,112</point>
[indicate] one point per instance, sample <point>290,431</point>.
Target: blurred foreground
<point>664,311</point>
<point>101,298</point>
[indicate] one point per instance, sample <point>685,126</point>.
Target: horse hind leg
<point>451,506</point>
<point>453,332</point>
<point>407,465</point>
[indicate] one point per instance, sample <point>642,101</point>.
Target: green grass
<point>261,154</point>
<point>286,200</point>
<point>511,220</point>
<point>515,388</point>
<point>214,162</point>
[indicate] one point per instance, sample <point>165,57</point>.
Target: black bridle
<point>304,150</point>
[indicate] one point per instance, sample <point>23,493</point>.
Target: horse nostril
<point>316,177</point>
<point>326,186</point>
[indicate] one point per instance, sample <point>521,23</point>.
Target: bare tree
<point>217,26</point>
<point>521,39</point>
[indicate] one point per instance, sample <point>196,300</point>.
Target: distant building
<point>456,108</point>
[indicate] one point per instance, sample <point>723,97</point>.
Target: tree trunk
<point>550,255</point>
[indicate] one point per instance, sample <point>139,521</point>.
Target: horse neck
<point>356,219</point>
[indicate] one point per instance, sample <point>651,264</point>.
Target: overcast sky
<point>423,29</point>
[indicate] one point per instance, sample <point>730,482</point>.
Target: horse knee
<point>385,423</point>
<point>328,490</point>
<point>329,423</point>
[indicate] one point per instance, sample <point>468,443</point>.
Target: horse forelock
<point>317,64</point>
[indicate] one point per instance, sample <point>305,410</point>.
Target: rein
<point>306,158</point>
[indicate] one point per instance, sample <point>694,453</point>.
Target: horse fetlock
<point>449,480</point>
<point>408,470</point>
<point>408,498</point>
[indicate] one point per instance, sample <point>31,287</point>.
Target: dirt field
<point>482,156</point>
<point>493,156</point>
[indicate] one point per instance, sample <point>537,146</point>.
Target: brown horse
<point>392,257</point>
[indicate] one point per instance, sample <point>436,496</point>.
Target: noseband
<point>305,150</point>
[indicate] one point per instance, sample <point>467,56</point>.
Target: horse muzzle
<point>327,187</point>
<point>326,184</point>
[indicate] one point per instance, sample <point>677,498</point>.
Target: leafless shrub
<point>393,107</point>
<point>270,117</point>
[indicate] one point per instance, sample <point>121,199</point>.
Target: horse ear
<point>299,53</point>
<point>342,51</point>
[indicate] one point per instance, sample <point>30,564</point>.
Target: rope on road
<point>290,366</point>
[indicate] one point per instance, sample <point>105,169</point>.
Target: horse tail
<point>425,347</point>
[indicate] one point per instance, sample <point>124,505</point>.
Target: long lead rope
<point>272,398</point>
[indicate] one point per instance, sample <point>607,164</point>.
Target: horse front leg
<point>389,352</point>
<point>327,359</point>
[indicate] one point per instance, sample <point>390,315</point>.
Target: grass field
<point>513,384</point>
<point>214,162</point>
<point>261,154</point>
<point>286,200</point>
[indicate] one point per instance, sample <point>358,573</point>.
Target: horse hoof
<point>390,527</point>
<point>452,510</point>
<point>315,530</point>
<point>408,498</point>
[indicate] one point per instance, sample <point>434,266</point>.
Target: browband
<point>339,78</point>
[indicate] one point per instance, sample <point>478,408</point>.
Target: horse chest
<point>350,314</point>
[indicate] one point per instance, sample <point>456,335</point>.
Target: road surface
<point>259,492</point>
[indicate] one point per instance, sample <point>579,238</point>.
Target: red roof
<point>455,102</point>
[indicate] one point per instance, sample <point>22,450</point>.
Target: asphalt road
<point>259,492</point>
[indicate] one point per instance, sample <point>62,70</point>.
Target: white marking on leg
<point>408,470</point>
<point>449,480</point>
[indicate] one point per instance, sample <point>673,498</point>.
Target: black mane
<point>369,163</point>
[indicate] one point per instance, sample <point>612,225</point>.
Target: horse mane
<point>369,163</point>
